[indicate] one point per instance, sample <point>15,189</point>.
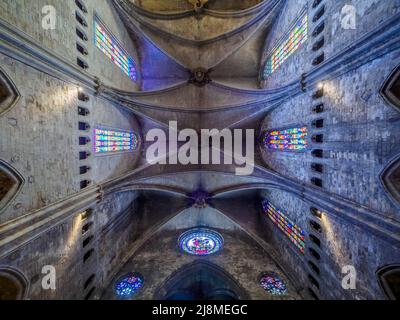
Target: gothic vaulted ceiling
<point>320,100</point>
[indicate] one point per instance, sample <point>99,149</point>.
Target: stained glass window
<point>288,227</point>
<point>273,284</point>
<point>201,242</point>
<point>298,35</point>
<point>110,46</point>
<point>129,285</point>
<point>293,139</point>
<point>106,141</point>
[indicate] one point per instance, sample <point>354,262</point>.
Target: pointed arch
<point>9,94</point>
<point>390,179</point>
<point>389,280</point>
<point>11,183</point>
<point>218,284</point>
<point>391,88</point>
<point>13,284</point>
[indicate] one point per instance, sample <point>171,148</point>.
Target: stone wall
<point>342,244</point>
<point>295,65</point>
<point>61,246</point>
<point>360,136</point>
<point>194,217</point>
<point>369,14</point>
<point>40,139</point>
<point>290,256</point>
<point>105,115</point>
<point>360,131</point>
<point>27,16</point>
<point>99,64</point>
<point>241,258</point>
<point>117,223</point>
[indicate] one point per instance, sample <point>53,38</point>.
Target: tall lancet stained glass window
<point>297,36</point>
<point>288,227</point>
<point>110,46</point>
<point>292,139</point>
<point>109,141</point>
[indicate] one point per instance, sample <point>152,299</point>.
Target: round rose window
<point>129,285</point>
<point>201,242</point>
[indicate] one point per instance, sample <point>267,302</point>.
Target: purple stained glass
<point>110,46</point>
<point>273,284</point>
<point>297,37</point>
<point>109,140</point>
<point>129,285</point>
<point>201,242</point>
<point>291,139</point>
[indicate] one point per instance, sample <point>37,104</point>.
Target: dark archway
<point>201,280</point>
<point>391,88</point>
<point>10,183</point>
<point>9,94</point>
<point>13,284</point>
<point>390,179</point>
<point>389,280</point>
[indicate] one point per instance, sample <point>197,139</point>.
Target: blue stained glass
<point>108,44</point>
<point>273,284</point>
<point>129,285</point>
<point>297,37</point>
<point>201,242</point>
<point>294,232</point>
<point>108,141</point>
<point>292,139</point>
